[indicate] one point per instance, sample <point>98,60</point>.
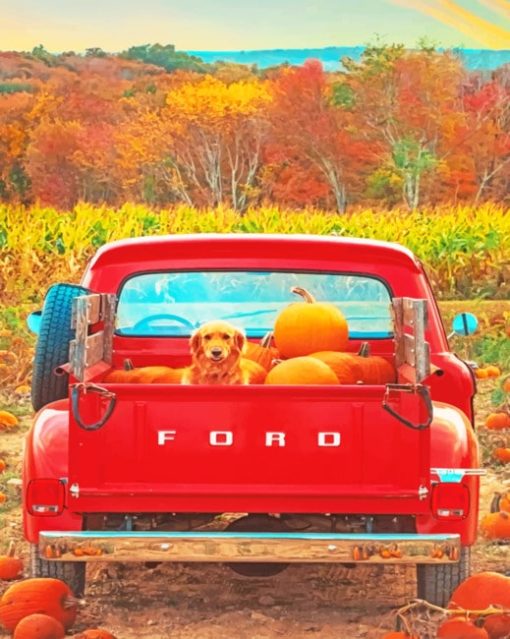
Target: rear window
<point>174,304</point>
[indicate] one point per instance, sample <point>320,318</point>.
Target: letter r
<point>275,438</point>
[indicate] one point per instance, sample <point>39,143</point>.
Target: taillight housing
<point>45,497</point>
<point>450,501</point>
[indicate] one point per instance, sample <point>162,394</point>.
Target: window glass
<point>174,304</point>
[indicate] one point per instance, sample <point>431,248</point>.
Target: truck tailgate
<point>249,449</point>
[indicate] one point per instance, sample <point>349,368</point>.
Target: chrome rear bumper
<point>249,547</point>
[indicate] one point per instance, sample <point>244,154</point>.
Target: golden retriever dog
<point>216,358</point>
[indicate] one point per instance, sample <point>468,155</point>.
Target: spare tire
<point>52,348</point>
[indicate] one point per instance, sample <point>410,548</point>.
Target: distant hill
<point>474,59</point>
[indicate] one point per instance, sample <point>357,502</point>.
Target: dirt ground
<point>211,602</point>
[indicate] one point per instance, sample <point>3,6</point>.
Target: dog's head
<point>217,342</point>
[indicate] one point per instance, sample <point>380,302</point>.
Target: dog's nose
<point>216,351</point>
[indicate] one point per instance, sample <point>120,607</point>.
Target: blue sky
<point>260,24</point>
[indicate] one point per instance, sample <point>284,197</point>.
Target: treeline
<point>156,126</point>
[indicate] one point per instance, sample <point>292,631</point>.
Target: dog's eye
<point>226,337</point>
<point>207,337</point>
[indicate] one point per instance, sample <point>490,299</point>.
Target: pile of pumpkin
<point>310,338</point>
<point>39,608</point>
<point>483,603</point>
<point>500,421</point>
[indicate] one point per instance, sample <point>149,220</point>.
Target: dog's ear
<point>240,340</point>
<point>195,341</point>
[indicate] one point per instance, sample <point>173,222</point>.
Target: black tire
<point>72,572</point>
<point>436,582</point>
<point>52,347</point>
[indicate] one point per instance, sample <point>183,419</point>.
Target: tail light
<point>450,501</point>
<point>45,497</point>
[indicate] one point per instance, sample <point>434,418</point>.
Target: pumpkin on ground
<point>498,421</point>
<point>309,326</point>
<point>493,371</point>
<point>504,503</point>
<point>262,353</point>
<point>301,370</point>
<point>10,565</point>
<point>3,497</point>
<point>496,525</point>
<point>94,633</point>
<point>502,455</point>
<point>482,590</point>
<point>39,595</point>
<point>7,420</point>
<point>497,626</point>
<point>2,465</point>
<point>458,628</point>
<point>506,384</point>
<point>38,626</point>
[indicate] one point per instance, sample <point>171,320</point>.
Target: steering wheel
<point>145,323</point>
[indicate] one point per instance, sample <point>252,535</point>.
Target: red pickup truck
<point>362,473</point>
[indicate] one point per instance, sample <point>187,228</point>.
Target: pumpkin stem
<point>265,342</point>
<point>11,551</point>
<point>70,601</point>
<point>128,365</point>
<point>306,295</point>
<point>364,350</point>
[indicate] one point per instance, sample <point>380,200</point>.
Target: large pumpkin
<point>309,326</point>
<point>38,626</point>
<point>301,370</point>
<point>262,353</point>
<point>39,595</point>
<point>346,366</point>
<point>375,369</point>
<point>10,565</point>
<point>496,525</point>
<point>481,591</point>
<point>460,629</point>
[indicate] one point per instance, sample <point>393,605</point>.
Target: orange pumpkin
<point>2,465</point>
<point>375,369</point>
<point>493,371</point>
<point>256,372</point>
<point>146,375</point>
<point>504,503</point>
<point>498,421</point>
<point>481,591</point>
<point>39,595</point>
<point>3,497</point>
<point>506,385</point>
<point>502,455</point>
<point>38,626</point>
<point>7,420</point>
<point>496,525</point>
<point>481,373</point>
<point>346,366</point>
<point>460,629</point>
<point>497,626</point>
<point>10,566</point>
<point>94,633</point>
<point>309,326</point>
<point>301,370</point>
<point>262,353</point>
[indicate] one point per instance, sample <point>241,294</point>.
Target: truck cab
<point>256,476</point>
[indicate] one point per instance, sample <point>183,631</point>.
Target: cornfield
<point>466,251</point>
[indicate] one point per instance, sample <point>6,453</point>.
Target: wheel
<point>52,347</point>
<point>436,582</point>
<point>72,572</point>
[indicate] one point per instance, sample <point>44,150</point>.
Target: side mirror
<point>34,322</point>
<point>464,324</point>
